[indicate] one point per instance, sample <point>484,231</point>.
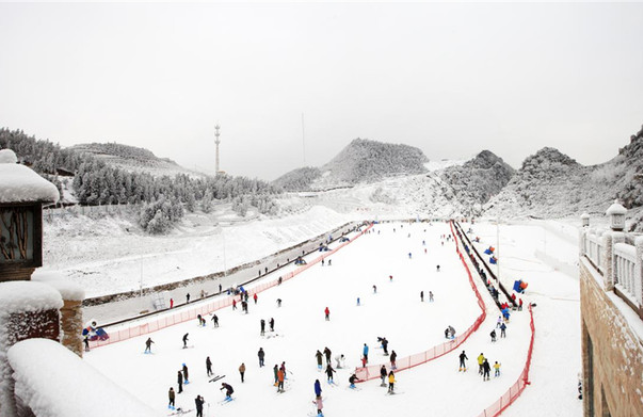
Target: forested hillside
<point>162,198</point>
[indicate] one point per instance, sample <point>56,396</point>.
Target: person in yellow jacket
<point>480,363</point>
<point>496,366</point>
<point>391,382</point>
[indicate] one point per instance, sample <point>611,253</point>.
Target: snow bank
<point>69,290</point>
<point>7,156</point>
<point>21,184</point>
<point>22,296</point>
<point>19,297</point>
<point>32,360</point>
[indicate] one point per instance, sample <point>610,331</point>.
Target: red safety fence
<point>373,371</point>
<point>519,386</point>
<point>206,308</point>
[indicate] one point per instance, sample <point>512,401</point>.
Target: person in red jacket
<point>327,313</point>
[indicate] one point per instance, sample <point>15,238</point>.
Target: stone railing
<point>617,256</point>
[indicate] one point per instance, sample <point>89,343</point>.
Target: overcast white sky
<point>451,79</point>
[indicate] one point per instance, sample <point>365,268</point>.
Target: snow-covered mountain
<point>133,159</point>
<point>479,179</point>
<point>362,161</point>
<point>551,184</point>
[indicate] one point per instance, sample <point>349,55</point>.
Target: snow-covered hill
<point>362,161</point>
<point>133,159</point>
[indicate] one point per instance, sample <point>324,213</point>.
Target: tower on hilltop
<point>217,142</point>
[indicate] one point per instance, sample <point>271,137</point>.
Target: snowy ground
<point>436,388</point>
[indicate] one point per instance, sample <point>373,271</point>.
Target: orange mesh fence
<point>519,386</point>
<point>203,309</point>
<point>373,371</point>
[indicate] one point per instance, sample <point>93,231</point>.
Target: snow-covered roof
<point>20,184</point>
<point>69,290</point>
<point>93,394</point>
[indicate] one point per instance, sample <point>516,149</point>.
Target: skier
<point>393,358</point>
<point>503,328</point>
<point>452,332</point>
<point>242,371</point>
<point>261,354</point>
<point>383,374</point>
<point>391,382</point>
<point>390,278</point>
<point>283,368</point>
<point>329,373</point>
<point>422,296</point>
<point>327,353</point>
<point>438,266</point>
<point>187,298</point>
<point>339,359</point>
<point>485,370</point>
<point>275,371</point>
<point>281,376</point>
<point>385,346</point>
<point>317,388</point>
<point>318,402</point>
<point>254,297</point>
<point>358,302</point>
<point>148,345</point>
<point>327,313</point>
<point>171,395</point>
<point>352,380</point>
<point>480,362</point>
<point>330,262</point>
<point>319,356</point>
<point>410,255</point>
<point>499,322</point>
<point>263,327</point>
<point>171,302</point>
<point>228,391</point>
<point>215,320</point>
<point>272,324</point>
<point>374,289</point>
<point>244,306</point>
<point>365,352</point>
<point>179,380</point>
<point>463,366</point>
<point>323,261</point>
<point>234,304</point>
<point>493,335</point>
<point>496,366</point>
<point>430,296</point>
<point>208,366</point>
<point>185,340</point>
<point>198,401</point>
<point>185,374</point>
<point>278,302</point>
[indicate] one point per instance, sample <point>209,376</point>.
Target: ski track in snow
<point>395,311</point>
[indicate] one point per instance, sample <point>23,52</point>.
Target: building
<point>611,278</point>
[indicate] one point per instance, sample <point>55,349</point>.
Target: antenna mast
<point>217,142</point>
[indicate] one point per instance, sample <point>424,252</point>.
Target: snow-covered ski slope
<point>395,311</point>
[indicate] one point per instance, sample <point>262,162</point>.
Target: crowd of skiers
<point>280,374</point>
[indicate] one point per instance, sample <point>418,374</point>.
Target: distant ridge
<point>361,161</point>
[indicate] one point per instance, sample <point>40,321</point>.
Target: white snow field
<point>435,388</point>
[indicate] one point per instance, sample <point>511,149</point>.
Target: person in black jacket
<point>199,405</point>
<point>463,366</point>
<point>179,380</point>
<point>228,390</point>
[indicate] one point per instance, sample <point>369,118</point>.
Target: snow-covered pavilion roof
<point>20,184</point>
